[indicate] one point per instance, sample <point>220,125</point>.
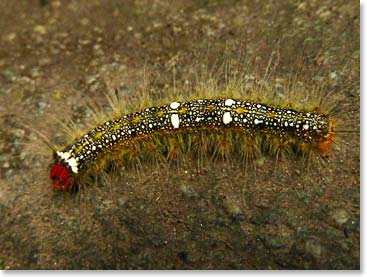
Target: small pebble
<point>42,105</point>
<point>122,200</point>
<point>314,248</point>
<point>341,216</point>
<point>232,208</point>
<point>40,29</point>
<point>260,161</point>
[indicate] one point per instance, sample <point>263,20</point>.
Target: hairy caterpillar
<point>302,130</point>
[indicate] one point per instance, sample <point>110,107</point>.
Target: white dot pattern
<point>204,113</point>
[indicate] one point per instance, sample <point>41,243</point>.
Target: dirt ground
<point>56,56</point>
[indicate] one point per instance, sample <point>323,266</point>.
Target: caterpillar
<point>302,130</point>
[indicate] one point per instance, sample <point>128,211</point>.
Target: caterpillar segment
<point>313,129</point>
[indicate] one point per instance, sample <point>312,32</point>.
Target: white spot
<point>113,137</point>
<point>257,121</point>
<point>94,148</point>
<point>64,155</point>
<point>227,118</point>
<point>229,102</point>
<point>305,127</point>
<point>175,120</point>
<point>150,126</point>
<point>244,120</point>
<point>174,105</point>
<point>286,123</point>
<point>72,162</point>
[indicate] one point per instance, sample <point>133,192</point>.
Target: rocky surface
<point>56,56</point>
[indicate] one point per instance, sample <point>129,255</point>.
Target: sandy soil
<point>56,56</point>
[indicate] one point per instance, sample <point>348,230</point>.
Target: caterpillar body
<point>301,129</point>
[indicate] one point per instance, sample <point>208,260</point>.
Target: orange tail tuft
<point>324,146</point>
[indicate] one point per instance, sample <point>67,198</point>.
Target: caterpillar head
<point>63,171</point>
<point>61,177</point>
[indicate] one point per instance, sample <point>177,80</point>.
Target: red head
<point>61,177</point>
